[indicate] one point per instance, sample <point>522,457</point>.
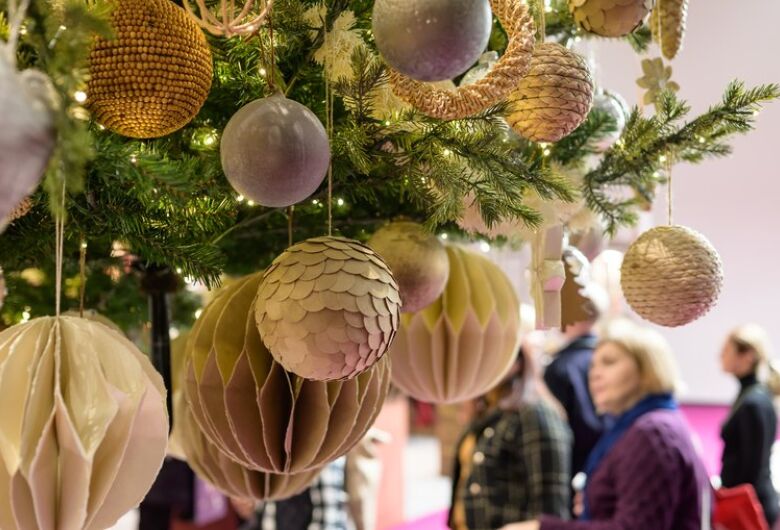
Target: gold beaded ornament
<point>668,22</point>
<point>154,77</point>
<point>499,82</point>
<point>231,23</point>
<point>610,18</point>
<point>554,97</point>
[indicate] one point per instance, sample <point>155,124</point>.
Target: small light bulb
<point>178,270</point>
<point>251,203</point>
<point>443,236</point>
<point>340,201</point>
<point>662,158</point>
<point>198,313</point>
<point>546,152</point>
<point>484,246</point>
<point>83,244</point>
<point>447,152</point>
<point>80,96</point>
<point>240,198</point>
<point>263,72</point>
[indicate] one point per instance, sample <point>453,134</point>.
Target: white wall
<point>735,202</point>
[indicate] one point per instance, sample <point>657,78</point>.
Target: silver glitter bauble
<point>614,105</point>
<point>418,261</point>
<point>275,151</point>
<point>432,40</point>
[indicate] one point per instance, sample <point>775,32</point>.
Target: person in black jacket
<point>750,429</point>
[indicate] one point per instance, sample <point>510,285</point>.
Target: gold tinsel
<point>499,82</point>
<point>153,78</point>
<point>671,275</point>
<point>610,18</point>
<point>554,97</point>
<point>668,25</point>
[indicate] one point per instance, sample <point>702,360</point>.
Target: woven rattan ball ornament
<point>461,345</point>
<point>228,476</point>
<point>431,40</point>
<point>668,24</point>
<point>328,308</point>
<point>87,432</point>
<point>254,411</point>
<point>275,151</point>
<point>153,78</point>
<point>671,275</point>
<point>554,97</point>
<point>418,260</point>
<point>610,18</point>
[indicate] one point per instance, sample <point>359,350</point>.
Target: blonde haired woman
<point>750,429</point>
<point>644,473</point>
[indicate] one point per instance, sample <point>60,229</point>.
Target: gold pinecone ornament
<point>668,25</point>
<point>554,97</point>
<point>671,275</point>
<point>328,308</point>
<point>154,76</point>
<point>610,18</point>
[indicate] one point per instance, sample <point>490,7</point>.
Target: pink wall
<point>394,420</point>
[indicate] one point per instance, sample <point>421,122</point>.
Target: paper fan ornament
<point>85,427</point>
<point>257,413</point>
<point>461,345</point>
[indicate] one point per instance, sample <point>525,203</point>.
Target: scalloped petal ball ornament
<point>418,260</point>
<point>88,431</point>
<point>431,40</point>
<point>460,346</point>
<point>228,476</point>
<point>610,18</point>
<point>671,275</point>
<point>275,151</point>
<point>254,411</point>
<point>153,78</point>
<point>328,308</point>
<point>554,97</point>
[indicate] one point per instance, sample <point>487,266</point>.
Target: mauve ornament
<point>432,40</point>
<point>27,137</point>
<point>275,151</point>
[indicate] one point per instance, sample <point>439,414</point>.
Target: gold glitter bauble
<point>153,78</point>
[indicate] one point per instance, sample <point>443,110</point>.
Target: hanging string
<point>669,190</point>
<point>329,125</point>
<point>290,213</point>
<point>82,275</point>
<point>16,14</point>
<point>542,30</point>
<point>272,64</point>
<point>59,228</point>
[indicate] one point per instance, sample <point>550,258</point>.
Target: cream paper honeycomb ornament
<point>257,413</point>
<point>610,18</point>
<point>85,428</point>
<point>671,275</point>
<point>554,97</point>
<point>328,308</point>
<point>154,77</point>
<point>461,345</point>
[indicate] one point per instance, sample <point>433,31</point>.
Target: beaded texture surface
<point>668,23</point>
<point>671,275</point>
<point>460,346</point>
<point>153,78</point>
<point>610,18</point>
<point>554,97</point>
<point>494,87</point>
<point>328,308</point>
<point>254,411</point>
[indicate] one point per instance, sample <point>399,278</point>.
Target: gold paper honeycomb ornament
<point>461,345</point>
<point>154,76</point>
<point>671,275</point>
<point>554,97</point>
<point>610,18</point>
<point>254,411</point>
<point>328,308</point>
<point>668,22</point>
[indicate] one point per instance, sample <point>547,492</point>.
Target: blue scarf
<point>613,435</point>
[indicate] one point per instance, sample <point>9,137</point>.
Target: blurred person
<point>751,427</point>
<point>512,463</point>
<point>644,473</point>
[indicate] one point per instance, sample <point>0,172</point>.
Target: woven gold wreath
<point>230,23</point>
<point>500,81</point>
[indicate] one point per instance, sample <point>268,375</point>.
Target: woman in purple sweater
<point>644,473</point>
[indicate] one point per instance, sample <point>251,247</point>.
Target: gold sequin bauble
<point>490,89</point>
<point>668,24</point>
<point>85,427</point>
<point>671,275</point>
<point>460,346</point>
<point>328,308</point>
<point>554,97</point>
<point>418,260</point>
<point>610,18</point>
<point>254,411</point>
<point>153,78</point>
<point>230,477</point>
